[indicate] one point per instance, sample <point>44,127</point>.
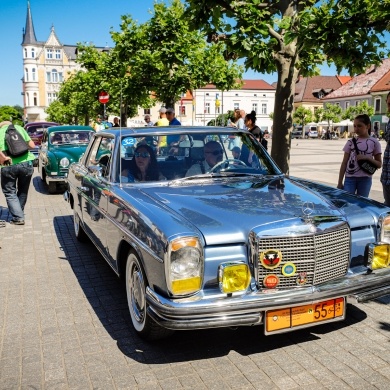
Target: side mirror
<point>95,170</point>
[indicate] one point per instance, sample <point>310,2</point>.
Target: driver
<point>213,155</point>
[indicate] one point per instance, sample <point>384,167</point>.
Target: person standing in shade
<point>357,181</point>
<point>173,121</point>
<point>148,121</point>
<point>116,122</point>
<point>16,176</point>
<point>385,176</point>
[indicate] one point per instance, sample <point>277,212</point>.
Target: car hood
<point>71,152</point>
<point>228,211</point>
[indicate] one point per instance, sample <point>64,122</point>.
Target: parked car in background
<point>205,240</point>
<point>35,131</point>
<point>61,146</point>
<point>313,134</point>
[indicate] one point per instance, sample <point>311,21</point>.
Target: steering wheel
<point>227,164</point>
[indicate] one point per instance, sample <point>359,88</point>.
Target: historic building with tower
<point>45,65</point>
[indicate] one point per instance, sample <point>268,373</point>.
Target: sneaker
<point>16,222</point>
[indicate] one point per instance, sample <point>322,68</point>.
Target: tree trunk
<point>284,105</point>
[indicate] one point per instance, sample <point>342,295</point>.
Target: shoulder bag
<point>366,165</point>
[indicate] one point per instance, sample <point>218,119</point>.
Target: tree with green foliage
<point>169,58</point>
<point>293,38</point>
<point>330,113</point>
<point>8,113</point>
<point>362,108</point>
<point>302,116</point>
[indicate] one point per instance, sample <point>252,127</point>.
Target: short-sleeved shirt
<point>3,146</point>
<point>367,146</point>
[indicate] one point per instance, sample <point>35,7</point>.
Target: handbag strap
<point>355,144</point>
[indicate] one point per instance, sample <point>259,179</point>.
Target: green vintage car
<point>61,146</point>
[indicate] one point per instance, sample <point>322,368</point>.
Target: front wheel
<point>136,299</point>
<point>78,229</point>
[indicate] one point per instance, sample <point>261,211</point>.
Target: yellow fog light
<point>186,286</point>
<point>378,256</point>
<point>233,277</point>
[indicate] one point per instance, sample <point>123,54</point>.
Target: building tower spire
<point>29,33</point>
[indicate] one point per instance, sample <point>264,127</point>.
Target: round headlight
<point>64,162</point>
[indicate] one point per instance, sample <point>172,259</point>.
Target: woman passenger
<point>143,166</point>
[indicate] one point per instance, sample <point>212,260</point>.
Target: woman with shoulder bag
<point>362,157</point>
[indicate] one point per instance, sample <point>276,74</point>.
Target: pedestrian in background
<point>385,176</point>
<point>357,181</point>
<point>239,123</point>
<point>173,121</point>
<point>162,121</point>
<point>148,121</point>
<point>16,177</point>
<point>116,122</point>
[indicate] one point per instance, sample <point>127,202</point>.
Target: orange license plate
<point>301,316</point>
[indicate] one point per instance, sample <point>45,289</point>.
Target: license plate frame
<point>303,316</point>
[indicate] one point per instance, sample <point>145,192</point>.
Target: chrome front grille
<point>319,258</point>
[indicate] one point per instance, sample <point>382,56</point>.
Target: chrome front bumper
<point>201,312</point>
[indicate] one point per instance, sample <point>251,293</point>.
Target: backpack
<point>17,146</point>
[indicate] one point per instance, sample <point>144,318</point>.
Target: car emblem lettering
<point>270,258</point>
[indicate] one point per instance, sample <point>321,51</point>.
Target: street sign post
<point>104,98</point>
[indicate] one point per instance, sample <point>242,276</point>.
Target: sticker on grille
<point>317,258</point>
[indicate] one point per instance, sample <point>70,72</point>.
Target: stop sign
<point>104,97</point>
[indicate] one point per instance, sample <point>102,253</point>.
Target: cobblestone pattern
<point>64,324</point>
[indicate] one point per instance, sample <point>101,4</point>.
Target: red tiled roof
<point>248,84</point>
<point>383,84</point>
<point>344,79</point>
<point>307,86</point>
<point>362,83</point>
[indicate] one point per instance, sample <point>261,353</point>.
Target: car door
<point>94,185</point>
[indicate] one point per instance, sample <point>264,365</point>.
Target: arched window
<point>54,76</point>
<point>33,74</point>
<point>27,99</point>
<point>32,53</point>
<point>26,74</point>
<point>35,99</point>
<point>25,53</point>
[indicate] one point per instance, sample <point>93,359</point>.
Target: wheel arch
<point>123,251</point>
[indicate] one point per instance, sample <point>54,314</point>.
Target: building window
<point>51,96</point>
<point>58,54</point>
<point>236,106</point>
<point>378,105</point>
<point>182,110</point>
<point>35,99</point>
<point>49,54</point>
<point>25,53</point>
<point>347,104</point>
<point>146,111</point>
<point>32,53</point>
<point>54,76</point>
<point>254,107</point>
<point>207,108</point>
<point>27,99</point>
<point>356,103</point>
<point>264,108</point>
<point>217,109</point>
<point>26,74</point>
<point>33,74</point>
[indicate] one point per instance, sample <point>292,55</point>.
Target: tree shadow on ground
<point>107,296</point>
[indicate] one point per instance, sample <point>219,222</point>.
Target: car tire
<point>52,187</point>
<point>144,325</point>
<point>78,229</point>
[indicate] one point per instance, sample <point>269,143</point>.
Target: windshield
<point>190,156</point>
<point>70,137</point>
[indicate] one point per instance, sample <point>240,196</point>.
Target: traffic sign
<point>104,97</point>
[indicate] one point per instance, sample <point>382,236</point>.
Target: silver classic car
<point>207,232</point>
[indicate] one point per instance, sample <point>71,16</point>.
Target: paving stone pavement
<point>64,323</point>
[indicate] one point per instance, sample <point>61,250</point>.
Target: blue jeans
<point>358,185</point>
<point>15,182</point>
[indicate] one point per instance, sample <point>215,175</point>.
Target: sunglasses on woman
<point>142,154</point>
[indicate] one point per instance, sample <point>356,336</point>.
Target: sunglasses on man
<point>216,152</point>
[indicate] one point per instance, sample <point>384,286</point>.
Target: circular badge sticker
<point>270,281</point>
<point>270,258</point>
<point>289,269</point>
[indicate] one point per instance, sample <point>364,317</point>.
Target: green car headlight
<point>64,162</point>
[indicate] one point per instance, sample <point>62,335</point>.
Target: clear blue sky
<point>74,21</point>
